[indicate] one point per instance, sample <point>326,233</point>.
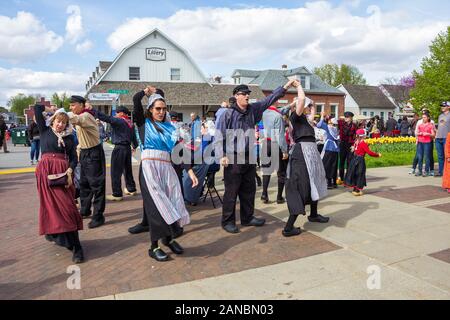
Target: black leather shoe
<point>255,222</point>
<point>281,200</point>
<point>174,247</point>
<point>230,228</point>
<point>265,199</point>
<point>96,223</point>
<point>318,219</point>
<point>158,254</point>
<point>292,233</point>
<point>139,228</point>
<point>78,256</point>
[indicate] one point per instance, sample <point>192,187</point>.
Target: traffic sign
<point>118,91</point>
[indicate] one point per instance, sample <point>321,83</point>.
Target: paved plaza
<point>392,243</point>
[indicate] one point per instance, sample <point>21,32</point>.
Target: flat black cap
<point>78,99</point>
<point>349,114</point>
<point>123,109</point>
<point>241,88</point>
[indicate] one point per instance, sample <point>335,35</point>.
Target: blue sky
<point>307,33</point>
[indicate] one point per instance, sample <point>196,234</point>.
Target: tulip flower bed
<point>399,151</point>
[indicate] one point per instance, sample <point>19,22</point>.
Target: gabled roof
<point>397,92</point>
<point>369,96</point>
<point>104,65</point>
<point>144,37</point>
<point>179,93</point>
<point>271,79</point>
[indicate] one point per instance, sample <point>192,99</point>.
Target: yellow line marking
<point>25,170</point>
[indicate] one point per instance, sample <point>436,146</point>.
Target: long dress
<point>59,218</point>
<point>306,179</point>
<point>446,175</point>
<point>161,189</point>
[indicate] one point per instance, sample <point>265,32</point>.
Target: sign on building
<point>155,54</point>
<point>103,96</point>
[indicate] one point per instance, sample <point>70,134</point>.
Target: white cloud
<point>312,35</point>
<point>84,47</point>
<point>18,80</point>
<point>74,24</point>
<point>24,37</point>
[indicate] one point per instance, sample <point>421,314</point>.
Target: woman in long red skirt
<point>59,219</point>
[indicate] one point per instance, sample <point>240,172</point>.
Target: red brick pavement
<point>116,262</point>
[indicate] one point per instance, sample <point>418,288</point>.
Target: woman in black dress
<point>306,179</point>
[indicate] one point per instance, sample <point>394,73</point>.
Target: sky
<point>51,46</point>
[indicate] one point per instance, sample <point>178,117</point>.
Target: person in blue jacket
<point>330,152</point>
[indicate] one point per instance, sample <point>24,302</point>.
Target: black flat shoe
<point>78,256</point>
<point>318,219</point>
<point>230,228</point>
<point>174,247</point>
<point>292,233</point>
<point>265,199</point>
<point>158,254</point>
<point>96,223</point>
<point>255,222</point>
<point>281,200</point>
<point>139,228</point>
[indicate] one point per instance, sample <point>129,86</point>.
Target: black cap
<point>123,109</point>
<point>160,92</point>
<point>173,114</point>
<point>349,114</point>
<point>78,99</point>
<point>241,88</point>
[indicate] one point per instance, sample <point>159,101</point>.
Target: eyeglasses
<point>243,94</point>
<point>159,109</point>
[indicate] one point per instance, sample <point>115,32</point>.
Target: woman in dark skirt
<point>59,219</point>
<point>161,190</point>
<point>356,173</point>
<point>306,180</point>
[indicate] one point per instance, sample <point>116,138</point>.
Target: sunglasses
<point>159,109</point>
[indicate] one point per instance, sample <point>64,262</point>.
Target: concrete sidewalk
<point>401,239</point>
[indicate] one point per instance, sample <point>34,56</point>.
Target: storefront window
<point>175,74</point>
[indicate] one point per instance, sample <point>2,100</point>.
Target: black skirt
<point>298,187</point>
<point>330,161</point>
<point>356,173</point>
<point>159,229</point>
<point>69,240</point>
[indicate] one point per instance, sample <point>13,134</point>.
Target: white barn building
<point>156,60</point>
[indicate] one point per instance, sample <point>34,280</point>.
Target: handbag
<point>57,180</point>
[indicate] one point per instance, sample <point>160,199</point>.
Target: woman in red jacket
<point>356,173</point>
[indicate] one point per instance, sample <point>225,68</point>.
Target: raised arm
<point>40,120</point>
<point>138,109</point>
<point>301,98</point>
<point>259,107</point>
<point>103,117</point>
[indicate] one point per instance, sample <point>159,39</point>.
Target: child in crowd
<point>356,174</point>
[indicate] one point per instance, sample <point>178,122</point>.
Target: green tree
<point>335,75</point>
<point>433,81</point>
<point>20,102</point>
<point>3,110</point>
<point>62,101</point>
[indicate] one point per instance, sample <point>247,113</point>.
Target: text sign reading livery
<point>156,54</point>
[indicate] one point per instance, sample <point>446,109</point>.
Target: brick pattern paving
<point>416,195</point>
<point>32,268</point>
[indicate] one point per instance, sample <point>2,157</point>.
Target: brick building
<point>29,113</point>
<point>324,96</point>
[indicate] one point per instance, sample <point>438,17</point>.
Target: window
<point>365,113</point>
<point>303,81</point>
<point>382,115</point>
<point>135,73</point>
<point>333,108</point>
<point>372,113</point>
<point>175,74</point>
<point>319,108</point>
